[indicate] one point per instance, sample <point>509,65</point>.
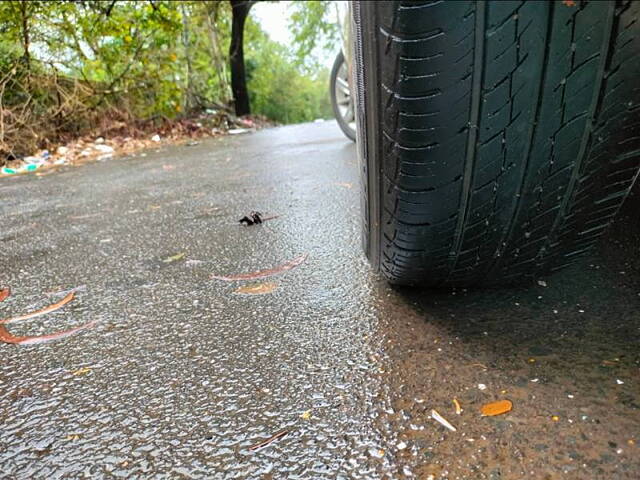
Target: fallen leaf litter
<point>51,308</point>
<point>258,289</point>
<point>174,258</point>
<point>496,408</point>
<point>269,440</point>
<point>262,273</point>
<point>7,337</point>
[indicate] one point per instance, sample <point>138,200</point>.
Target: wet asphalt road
<point>182,374</point>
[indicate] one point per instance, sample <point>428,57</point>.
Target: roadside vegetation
<point>103,68</point>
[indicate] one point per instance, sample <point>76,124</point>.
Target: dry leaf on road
<point>263,273</point>
<point>456,403</point>
<point>174,258</point>
<point>496,408</point>
<point>51,308</point>
<point>258,289</point>
<point>269,440</point>
<point>4,293</point>
<point>306,415</point>
<point>81,371</point>
<point>5,335</point>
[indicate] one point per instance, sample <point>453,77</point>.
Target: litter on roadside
<point>238,131</point>
<point>104,148</point>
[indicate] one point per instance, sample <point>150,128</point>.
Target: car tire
<point>497,139</point>
<point>336,103</point>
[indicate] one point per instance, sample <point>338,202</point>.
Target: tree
<point>240,11</point>
<point>190,97</point>
<point>212,14</point>
<point>92,67</point>
<point>313,24</point>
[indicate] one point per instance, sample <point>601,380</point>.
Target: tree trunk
<point>216,55</point>
<point>190,100</point>
<point>240,9</point>
<point>25,33</point>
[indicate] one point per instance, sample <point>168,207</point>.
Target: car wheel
<point>341,98</point>
<point>497,139</point>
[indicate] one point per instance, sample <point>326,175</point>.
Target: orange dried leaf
<point>496,408</point>
<point>263,273</point>
<point>51,308</point>
<point>6,337</point>
<point>4,293</point>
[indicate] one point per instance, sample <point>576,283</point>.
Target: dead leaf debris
<point>258,289</point>
<point>269,440</point>
<point>262,273</point>
<point>7,337</point>
<point>496,408</point>
<point>174,258</point>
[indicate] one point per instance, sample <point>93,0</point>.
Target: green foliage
<point>66,64</point>
<point>128,55</point>
<point>313,24</point>
<point>277,88</point>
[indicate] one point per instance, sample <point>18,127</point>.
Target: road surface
<point>183,374</point>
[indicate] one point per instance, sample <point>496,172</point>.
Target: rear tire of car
<point>497,139</point>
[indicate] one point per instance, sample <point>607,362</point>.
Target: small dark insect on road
<point>253,218</point>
